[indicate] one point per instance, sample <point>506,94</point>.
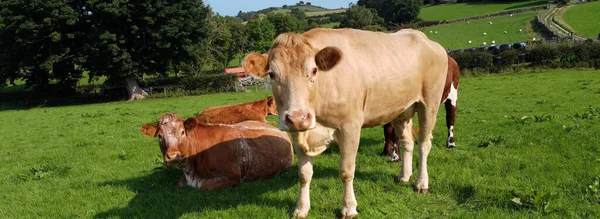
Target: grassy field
<point>464,10</point>
<point>330,25</point>
<point>457,35</point>
<point>584,19</point>
<point>527,147</point>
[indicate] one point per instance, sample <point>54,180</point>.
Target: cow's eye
<point>160,137</point>
<point>272,75</point>
<point>182,132</point>
<point>314,71</point>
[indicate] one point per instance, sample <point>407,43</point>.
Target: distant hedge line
<point>546,55</point>
<point>209,83</point>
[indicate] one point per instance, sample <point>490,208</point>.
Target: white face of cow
<point>294,68</point>
<point>171,131</point>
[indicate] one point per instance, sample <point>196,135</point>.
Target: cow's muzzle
<point>300,120</point>
<point>172,157</point>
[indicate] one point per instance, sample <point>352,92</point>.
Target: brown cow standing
<point>236,113</point>
<point>449,98</point>
<point>218,156</point>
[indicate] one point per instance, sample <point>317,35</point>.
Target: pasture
<point>527,146</point>
<point>472,9</point>
<point>457,35</point>
<point>584,19</point>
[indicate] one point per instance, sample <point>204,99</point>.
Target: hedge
<point>544,55</point>
<point>210,83</point>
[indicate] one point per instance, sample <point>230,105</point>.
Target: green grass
<point>464,10</point>
<point>457,35</point>
<point>90,161</point>
<point>584,19</point>
<point>330,25</point>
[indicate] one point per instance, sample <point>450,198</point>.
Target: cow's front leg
<point>349,138</point>
<point>305,172</point>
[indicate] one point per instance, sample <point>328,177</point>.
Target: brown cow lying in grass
<point>216,156</point>
<point>236,113</point>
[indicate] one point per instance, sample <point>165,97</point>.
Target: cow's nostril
<point>288,120</point>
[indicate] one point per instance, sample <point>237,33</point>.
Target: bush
<point>508,58</point>
<point>474,59</point>
<point>210,83</point>
<point>542,55</point>
<point>163,81</point>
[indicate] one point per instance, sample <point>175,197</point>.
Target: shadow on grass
<point>157,196</point>
<point>365,144</point>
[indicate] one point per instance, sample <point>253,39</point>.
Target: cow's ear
<point>149,130</point>
<point>190,124</point>
<point>256,64</point>
<point>270,101</point>
<point>327,58</point>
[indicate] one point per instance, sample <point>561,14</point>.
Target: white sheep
<point>469,41</point>
<point>484,43</point>
<point>490,22</point>
<point>485,34</point>
<point>493,41</point>
<point>520,30</point>
<point>505,32</point>
<point>436,32</point>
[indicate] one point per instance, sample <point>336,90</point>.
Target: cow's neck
<point>260,105</point>
<point>195,142</point>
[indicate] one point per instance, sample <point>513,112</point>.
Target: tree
<point>261,34</point>
<point>300,15</point>
<point>41,41</point>
<point>359,17</point>
<point>308,3</point>
<point>132,38</point>
<point>301,2</point>
<point>284,23</point>
<point>394,11</point>
<point>285,6</point>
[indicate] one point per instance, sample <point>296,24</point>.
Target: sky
<point>232,7</point>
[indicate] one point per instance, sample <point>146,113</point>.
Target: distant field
<point>457,35</point>
<point>324,12</point>
<point>584,19</point>
<point>527,147</point>
<point>305,8</point>
<point>464,10</point>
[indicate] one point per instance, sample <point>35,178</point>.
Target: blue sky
<point>231,7</point>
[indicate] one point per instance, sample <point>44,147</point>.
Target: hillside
<point>584,19</point>
<point>309,10</point>
<point>457,35</point>
<point>472,9</point>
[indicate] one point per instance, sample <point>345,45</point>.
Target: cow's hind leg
<point>305,172</point>
<point>427,119</point>
<point>391,143</point>
<point>403,127</point>
<point>450,115</point>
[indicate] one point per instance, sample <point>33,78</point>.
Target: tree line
<point>53,44</point>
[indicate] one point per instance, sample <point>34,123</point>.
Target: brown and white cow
<point>449,98</point>
<point>215,156</point>
<point>236,113</point>
<point>347,79</point>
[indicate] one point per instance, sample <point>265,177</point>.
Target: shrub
<point>475,59</point>
<point>508,58</point>
<point>210,83</point>
<point>542,55</point>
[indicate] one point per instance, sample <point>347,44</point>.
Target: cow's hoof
<point>401,182</point>
<point>348,213</point>
<point>450,145</point>
<point>300,213</point>
<point>422,191</point>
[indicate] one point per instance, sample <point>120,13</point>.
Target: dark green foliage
<point>508,57</point>
<point>543,54</point>
<point>394,12</point>
<point>210,83</point>
<point>284,23</point>
<point>475,59</point>
<point>359,17</point>
<point>261,33</point>
<point>46,41</point>
<point>136,37</point>
<point>44,47</point>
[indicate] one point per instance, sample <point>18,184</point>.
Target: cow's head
<point>293,66</point>
<point>271,106</point>
<point>171,131</point>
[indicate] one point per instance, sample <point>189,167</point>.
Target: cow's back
<point>230,114</point>
<point>379,74</point>
<point>251,149</point>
